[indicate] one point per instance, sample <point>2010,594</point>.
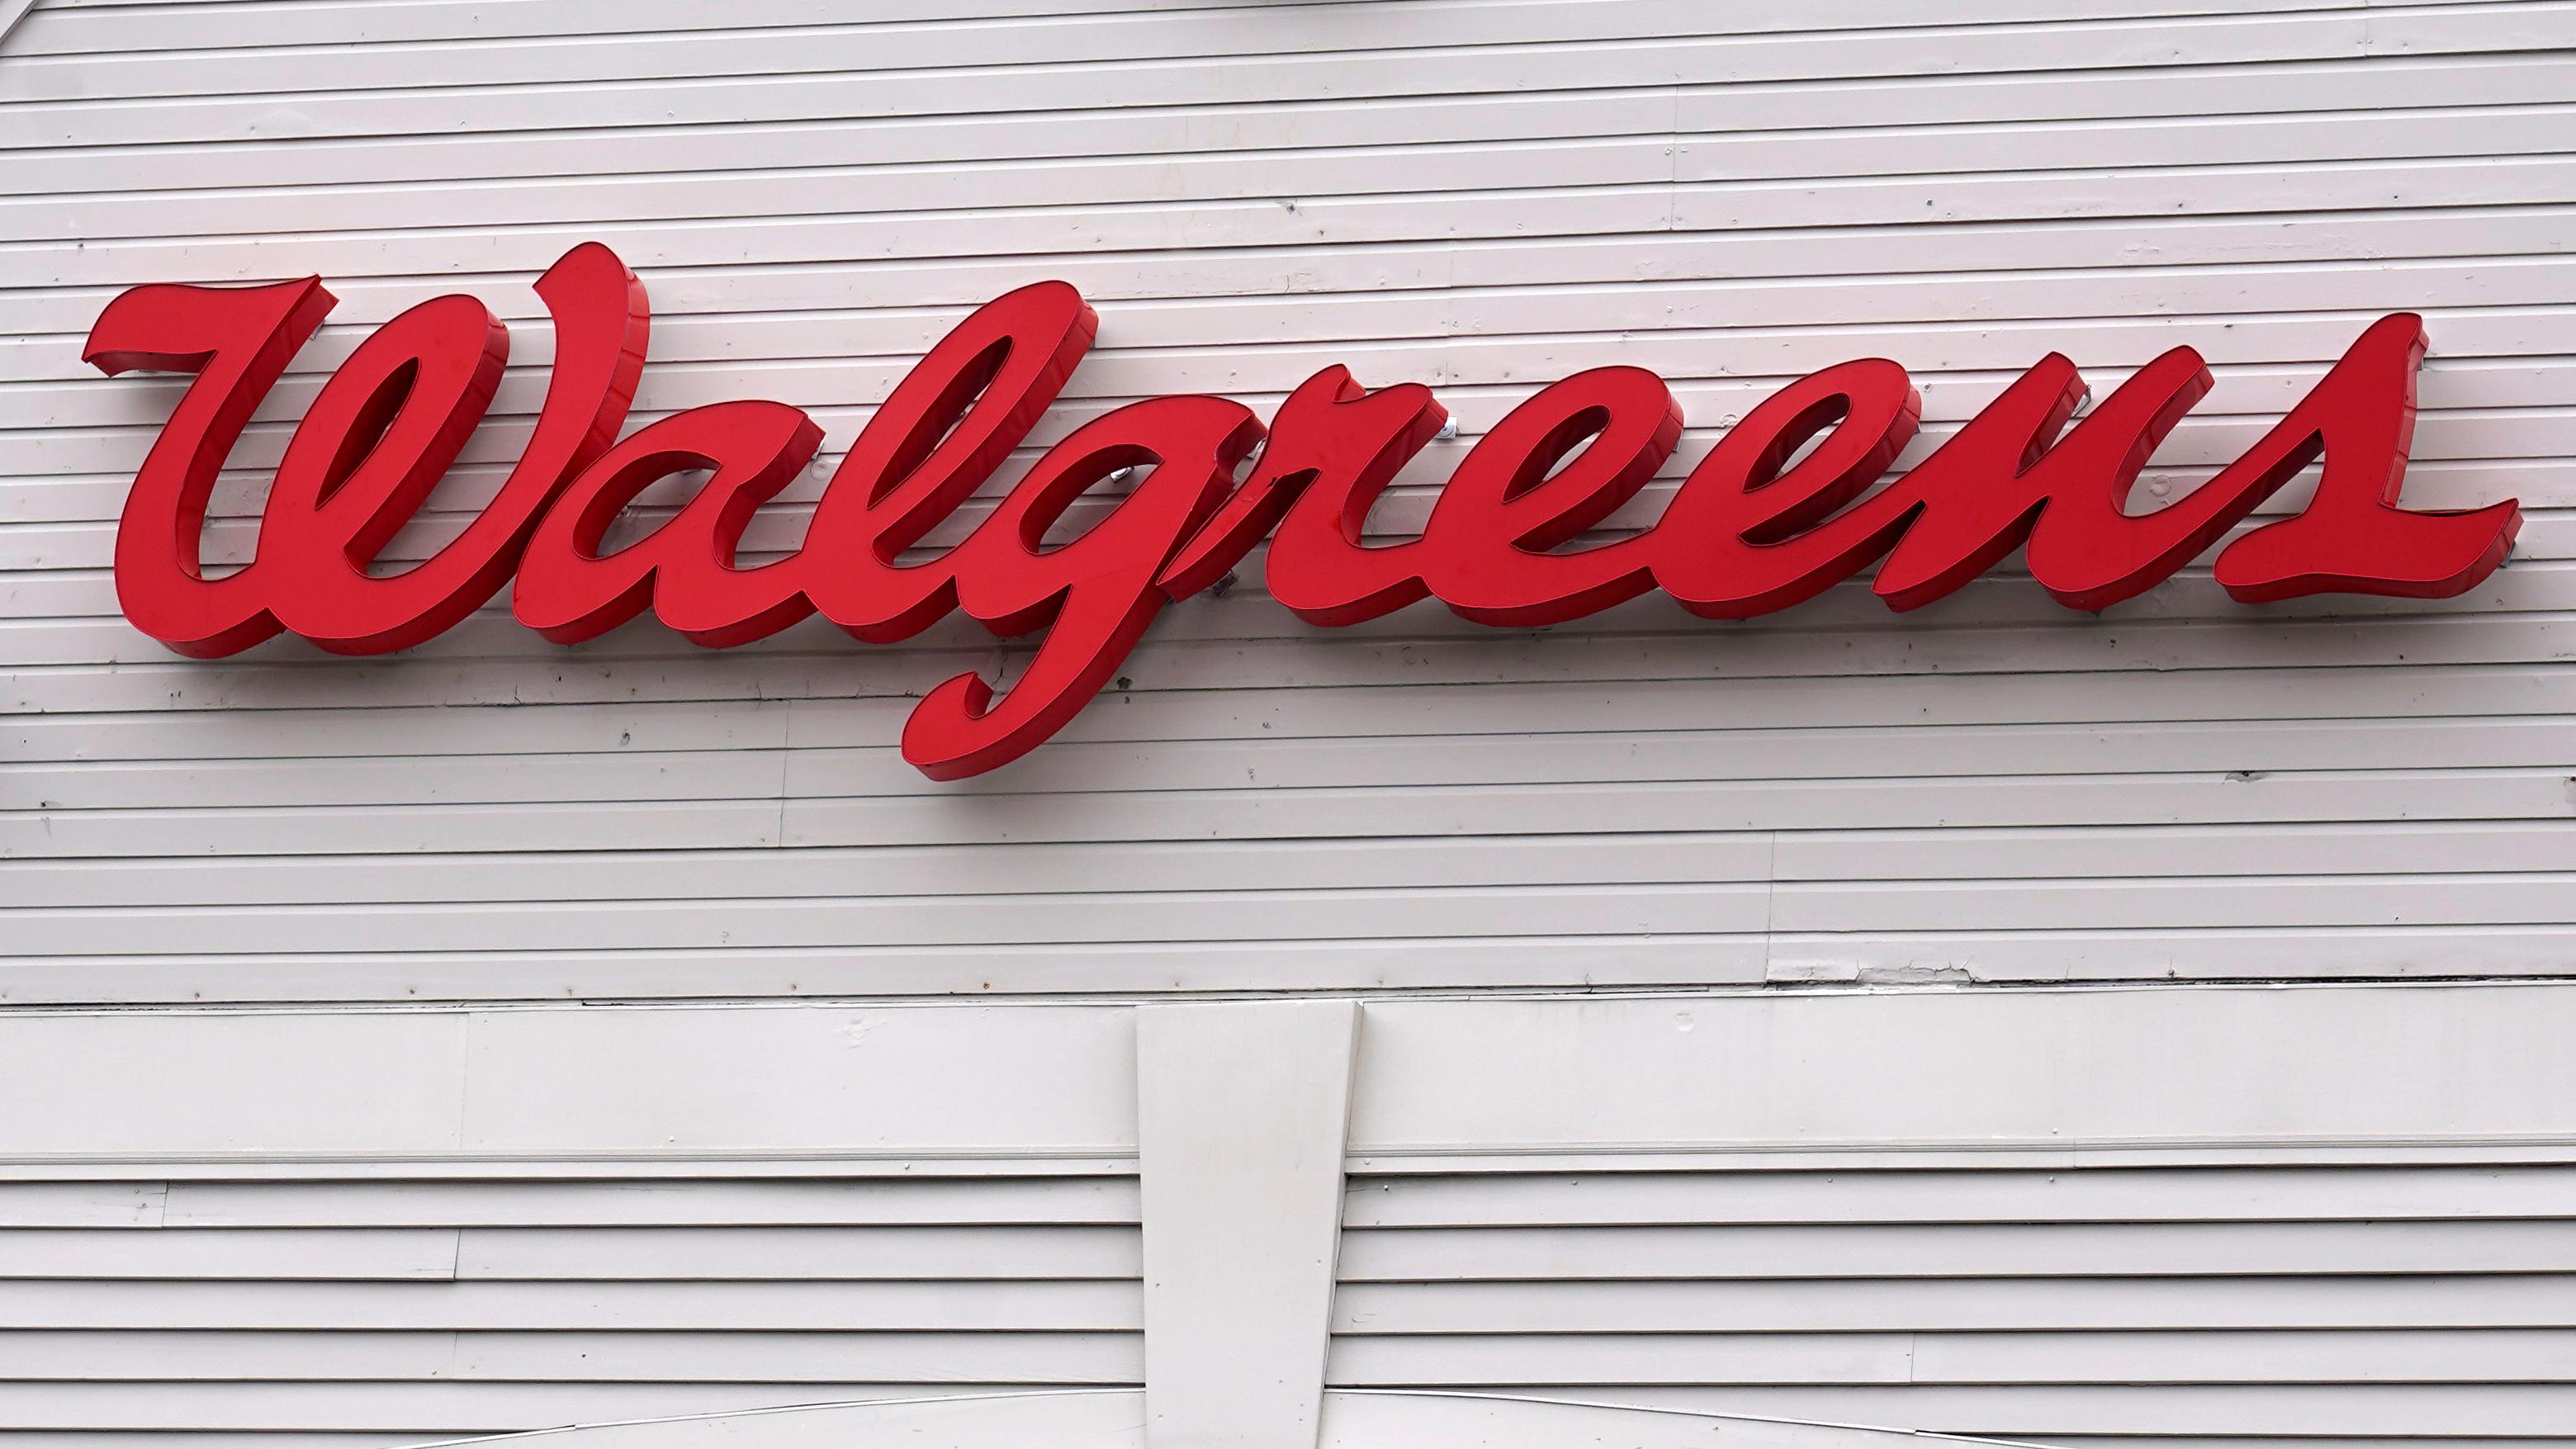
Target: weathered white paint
<point>1241,1113</point>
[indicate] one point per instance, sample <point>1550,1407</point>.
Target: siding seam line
<point>786,757</point>
<point>1770,898</point>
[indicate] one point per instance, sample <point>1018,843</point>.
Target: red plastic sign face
<point>1781,509</point>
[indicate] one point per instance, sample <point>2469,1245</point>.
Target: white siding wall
<point>407,1310</point>
<point>1480,195</point>
<point>409,1225</point>
<point>2067,1305</point>
<point>1483,195</point>
<point>2325,1217</point>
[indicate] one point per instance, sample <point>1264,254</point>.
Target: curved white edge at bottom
<point>1115,1418</point>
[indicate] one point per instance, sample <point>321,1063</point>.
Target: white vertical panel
<point>1242,1109</point>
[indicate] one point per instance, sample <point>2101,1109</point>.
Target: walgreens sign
<point>1763,522</point>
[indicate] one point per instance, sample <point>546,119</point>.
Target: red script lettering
<point>1780,510</point>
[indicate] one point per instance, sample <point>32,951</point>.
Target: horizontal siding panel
<point>559,1357</point>
<point>536,1254</point>
<point>932,1306</point>
<point>786,1358</point>
<point>2112,855</point>
<point>2105,1195</point>
<point>2078,1071</point>
<point>839,1083</point>
<point>1562,1311</point>
<point>1031,1201</point>
<point>82,1204</point>
<point>2376,1357</point>
<point>1804,1358</point>
<point>2420,698</point>
<point>1260,916</point>
<point>2283,798</point>
<point>1952,1250</point>
<point>2418,1411</point>
<point>2273,903</point>
<point>1999,855</point>
<point>2388,1356</point>
<point>383,1254</point>
<point>249,1357</point>
<point>418,1410</point>
<point>792,874</point>
<point>1818,753</point>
